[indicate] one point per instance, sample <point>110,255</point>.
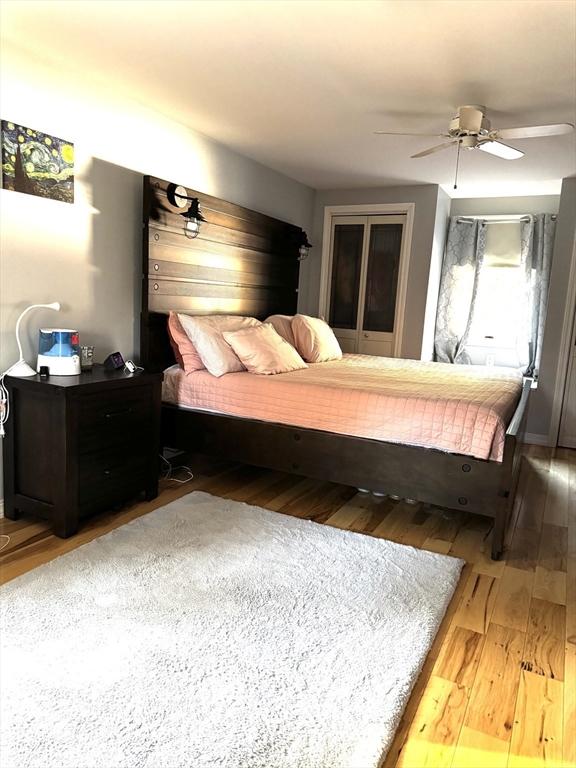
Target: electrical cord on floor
<point>170,469</point>
<point>4,544</point>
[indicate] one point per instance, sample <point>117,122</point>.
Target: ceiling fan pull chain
<point>457,162</point>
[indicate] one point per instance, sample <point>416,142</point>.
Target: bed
<point>444,435</point>
<point>459,409</point>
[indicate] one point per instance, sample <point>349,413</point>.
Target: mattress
<point>456,408</point>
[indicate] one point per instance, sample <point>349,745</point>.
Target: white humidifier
<point>59,350</point>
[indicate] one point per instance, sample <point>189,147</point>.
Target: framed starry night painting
<point>36,163</point>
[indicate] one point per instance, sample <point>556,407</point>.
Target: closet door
<point>379,288</point>
<point>365,265</point>
<point>348,245</point>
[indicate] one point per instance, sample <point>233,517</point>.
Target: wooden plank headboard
<point>241,263</point>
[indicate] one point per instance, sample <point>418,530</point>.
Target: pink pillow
<point>264,351</point>
<point>185,352</point>
<point>206,335</point>
<point>282,324</point>
<point>315,339</point>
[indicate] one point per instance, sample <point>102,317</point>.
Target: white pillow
<point>264,351</point>
<point>206,335</point>
<point>282,324</point>
<point>315,339</point>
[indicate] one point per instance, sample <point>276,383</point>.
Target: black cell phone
<point>114,361</point>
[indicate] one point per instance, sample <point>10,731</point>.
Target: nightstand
<point>76,445</point>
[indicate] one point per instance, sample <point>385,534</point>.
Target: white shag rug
<point>210,633</point>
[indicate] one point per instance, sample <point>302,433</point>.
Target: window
<point>498,332</point>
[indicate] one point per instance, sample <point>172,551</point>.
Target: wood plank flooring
<point>499,686</point>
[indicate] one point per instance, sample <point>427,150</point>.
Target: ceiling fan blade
<point>500,150</point>
<point>401,133</point>
<point>534,131</point>
<point>437,148</point>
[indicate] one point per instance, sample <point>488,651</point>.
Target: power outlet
<point>489,359</point>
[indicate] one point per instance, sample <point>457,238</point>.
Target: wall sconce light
<point>303,246</point>
<point>177,196</point>
<point>193,218</point>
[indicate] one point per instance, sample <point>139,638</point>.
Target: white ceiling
<point>300,85</point>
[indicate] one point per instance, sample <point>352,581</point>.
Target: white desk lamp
<point>21,368</point>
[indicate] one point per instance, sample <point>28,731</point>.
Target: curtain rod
<point>490,220</point>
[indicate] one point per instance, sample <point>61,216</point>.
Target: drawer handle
<point>107,472</point>
<point>113,414</point>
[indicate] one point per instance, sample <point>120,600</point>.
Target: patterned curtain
<point>537,243</point>
<point>458,288</point>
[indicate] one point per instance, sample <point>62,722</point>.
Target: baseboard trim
<point>534,438</point>
<point>1,507</point>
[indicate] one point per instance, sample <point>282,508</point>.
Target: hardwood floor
<point>499,685</point>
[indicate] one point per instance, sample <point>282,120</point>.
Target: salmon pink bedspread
<point>457,408</point>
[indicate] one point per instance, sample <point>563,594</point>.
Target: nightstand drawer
<point>105,474</point>
<point>114,419</point>
<point>114,408</point>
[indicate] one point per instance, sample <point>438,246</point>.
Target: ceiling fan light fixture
<point>470,120</point>
<point>469,142</point>
<point>500,150</point>
<point>471,117</point>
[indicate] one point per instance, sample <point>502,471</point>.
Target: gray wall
<point>437,256</point>
<point>87,255</point>
<point>492,206</point>
<point>425,198</point>
<point>541,401</point>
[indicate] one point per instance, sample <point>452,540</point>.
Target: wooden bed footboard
<point>511,465</point>
<point>431,476</point>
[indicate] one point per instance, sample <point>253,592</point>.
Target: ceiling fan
<point>470,129</point>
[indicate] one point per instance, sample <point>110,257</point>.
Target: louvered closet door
<point>379,289</point>
<point>348,235</point>
<point>365,269</point>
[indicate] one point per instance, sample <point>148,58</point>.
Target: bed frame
<point>246,263</point>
